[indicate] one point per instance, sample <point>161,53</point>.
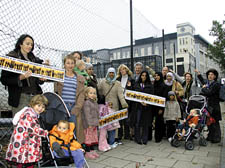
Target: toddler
<point>90,119</point>
<point>25,144</point>
<point>63,132</point>
<point>171,115</point>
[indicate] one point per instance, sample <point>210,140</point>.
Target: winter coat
<point>25,142</point>
<point>90,114</point>
<point>11,80</point>
<point>212,94</point>
<point>146,110</point>
<point>67,137</point>
<point>78,105</point>
<point>172,110</point>
<point>115,95</point>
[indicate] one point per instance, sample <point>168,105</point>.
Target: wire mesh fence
<point>62,26</point>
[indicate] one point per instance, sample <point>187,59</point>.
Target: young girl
<point>64,131</point>
<point>171,115</point>
<point>90,118</point>
<point>103,111</point>
<point>25,143</point>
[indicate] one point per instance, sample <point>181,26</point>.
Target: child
<point>171,115</point>
<point>25,143</point>
<point>63,132</point>
<point>80,69</point>
<point>90,122</point>
<point>103,144</point>
<point>191,121</point>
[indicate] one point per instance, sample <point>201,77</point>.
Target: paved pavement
<point>161,155</point>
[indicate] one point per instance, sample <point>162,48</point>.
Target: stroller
<point>55,111</point>
<point>195,102</point>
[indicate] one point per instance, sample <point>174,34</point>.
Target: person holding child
<point>90,118</point>
<point>171,114</point>
<point>63,143</point>
<point>24,147</point>
<point>72,93</point>
<point>112,89</point>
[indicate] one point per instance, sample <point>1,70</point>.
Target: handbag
<point>101,98</point>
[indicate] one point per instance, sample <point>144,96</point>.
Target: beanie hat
<point>171,93</point>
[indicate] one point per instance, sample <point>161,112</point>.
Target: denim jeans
<point>72,116</point>
<point>78,157</point>
<point>111,136</point>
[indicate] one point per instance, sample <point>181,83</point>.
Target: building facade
<point>184,51</point>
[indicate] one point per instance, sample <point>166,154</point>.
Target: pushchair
<point>197,102</point>
<point>55,111</point>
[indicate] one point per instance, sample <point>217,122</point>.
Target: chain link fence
<point>62,26</point>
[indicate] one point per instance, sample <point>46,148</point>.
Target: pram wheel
<point>203,142</point>
<point>189,145</point>
<point>175,143</point>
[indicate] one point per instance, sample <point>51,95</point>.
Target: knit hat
<point>171,93</point>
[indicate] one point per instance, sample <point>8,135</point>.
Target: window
<point>149,50</point>
<point>118,55</point>
<point>180,59</point>
<point>124,54</point>
<point>170,67</point>
<point>156,50</point>
<point>180,41</point>
<point>180,70</point>
<point>169,60</point>
<point>171,48</point>
<point>128,54</point>
<point>114,55</point>
<point>142,51</point>
<point>186,40</point>
<point>136,52</point>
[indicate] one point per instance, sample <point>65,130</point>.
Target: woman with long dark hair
<point>142,111</point>
<point>21,87</point>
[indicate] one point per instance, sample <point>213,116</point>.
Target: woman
<point>211,89</point>
<point>124,75</point>
<point>159,90</point>
<point>92,80</point>
<point>172,85</point>
<point>21,87</point>
<point>72,92</point>
<point>115,96</point>
<point>142,111</point>
<point>187,84</point>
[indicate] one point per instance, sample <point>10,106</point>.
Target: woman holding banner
<point>142,111</point>
<point>21,87</point>
<point>124,75</point>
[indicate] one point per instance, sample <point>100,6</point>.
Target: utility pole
<point>175,60</point>
<point>163,58</point>
<point>131,38</point>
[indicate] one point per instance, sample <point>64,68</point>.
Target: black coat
<point>160,89</point>
<point>146,110</point>
<point>11,80</point>
<point>212,94</point>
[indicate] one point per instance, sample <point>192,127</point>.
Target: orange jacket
<point>66,136</point>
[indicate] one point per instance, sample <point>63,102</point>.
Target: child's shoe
<point>95,154</point>
<point>89,155</point>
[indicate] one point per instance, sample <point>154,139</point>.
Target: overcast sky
<point>165,14</point>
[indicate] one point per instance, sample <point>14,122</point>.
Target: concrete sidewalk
<point>161,155</point>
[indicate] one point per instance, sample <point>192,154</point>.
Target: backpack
<point>222,93</point>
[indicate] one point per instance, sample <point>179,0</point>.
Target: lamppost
<point>131,37</point>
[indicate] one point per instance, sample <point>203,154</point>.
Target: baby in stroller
<point>60,148</point>
<point>63,143</point>
<point>192,127</point>
<point>190,122</point>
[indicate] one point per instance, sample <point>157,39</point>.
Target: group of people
<point>81,90</point>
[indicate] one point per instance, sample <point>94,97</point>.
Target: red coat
<point>25,142</point>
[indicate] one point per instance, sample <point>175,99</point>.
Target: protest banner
<point>144,97</point>
<point>38,70</point>
<point>113,117</point>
